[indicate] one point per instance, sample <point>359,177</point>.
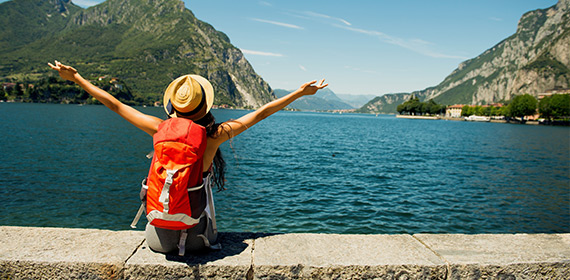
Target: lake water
<point>81,166</point>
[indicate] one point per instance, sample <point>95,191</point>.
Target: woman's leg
<point>162,240</point>
<point>166,241</point>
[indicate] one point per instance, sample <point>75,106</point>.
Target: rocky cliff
<point>146,43</point>
<point>533,60</point>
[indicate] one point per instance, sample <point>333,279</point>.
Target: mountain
<point>25,21</point>
<point>323,100</point>
<point>145,43</point>
<point>534,59</point>
<point>355,100</point>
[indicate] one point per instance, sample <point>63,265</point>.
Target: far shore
<point>529,122</point>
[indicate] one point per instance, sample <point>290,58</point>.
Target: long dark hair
<point>209,122</point>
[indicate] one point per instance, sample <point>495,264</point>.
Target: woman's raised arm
<point>146,123</point>
<point>232,128</point>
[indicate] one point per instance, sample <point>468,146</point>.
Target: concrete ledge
<point>56,253</point>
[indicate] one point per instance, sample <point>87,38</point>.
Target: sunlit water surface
<point>81,166</point>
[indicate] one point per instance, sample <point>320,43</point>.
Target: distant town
<point>551,107</point>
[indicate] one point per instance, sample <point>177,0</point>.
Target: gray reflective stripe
<point>182,242</point>
<point>196,188</point>
<point>165,193</point>
<point>155,214</point>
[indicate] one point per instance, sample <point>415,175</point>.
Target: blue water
<point>81,166</point>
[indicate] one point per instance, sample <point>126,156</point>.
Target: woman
<point>191,97</point>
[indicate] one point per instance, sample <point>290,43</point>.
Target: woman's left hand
<point>310,89</point>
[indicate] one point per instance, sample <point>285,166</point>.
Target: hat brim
<point>208,93</point>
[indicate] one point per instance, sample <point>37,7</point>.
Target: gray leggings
<point>166,240</point>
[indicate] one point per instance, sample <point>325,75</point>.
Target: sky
<point>370,47</point>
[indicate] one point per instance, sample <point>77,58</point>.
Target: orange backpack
<point>176,197</point>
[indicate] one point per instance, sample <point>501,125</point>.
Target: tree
<point>435,108</point>
<point>495,111</point>
<point>560,104</point>
<point>545,108</point>
<point>505,111</point>
<point>401,108</point>
<point>465,111</point>
<point>487,111</point>
<point>3,94</point>
<point>411,106</point>
<point>523,105</point>
<point>18,90</point>
<point>478,110</point>
<point>414,107</point>
<point>555,106</point>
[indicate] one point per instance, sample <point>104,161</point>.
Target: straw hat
<point>189,96</point>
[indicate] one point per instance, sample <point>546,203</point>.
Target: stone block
<point>58,253</point>
<point>333,256</point>
<point>503,256</point>
<point>232,262</point>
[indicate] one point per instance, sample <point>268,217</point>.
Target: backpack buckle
<point>169,175</point>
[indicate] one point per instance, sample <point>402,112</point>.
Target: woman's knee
<point>161,240</point>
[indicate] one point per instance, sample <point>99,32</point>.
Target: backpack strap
<point>210,197</point>
<point>217,246</point>
<point>144,187</point>
<point>182,242</point>
<point>138,216</point>
<point>164,195</point>
<point>210,214</point>
<point>196,188</point>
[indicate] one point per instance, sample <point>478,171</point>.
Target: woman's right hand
<point>66,72</point>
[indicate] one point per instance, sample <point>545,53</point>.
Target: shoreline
<point>529,122</point>
<point>47,253</point>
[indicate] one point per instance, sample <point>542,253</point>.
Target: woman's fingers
<point>57,66</point>
<point>320,86</point>
<point>309,83</point>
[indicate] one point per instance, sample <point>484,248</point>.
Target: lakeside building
<point>454,111</point>
<point>8,86</point>
<point>553,92</point>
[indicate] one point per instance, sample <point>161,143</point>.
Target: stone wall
<point>59,253</point>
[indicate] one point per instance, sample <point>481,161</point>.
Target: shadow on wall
<point>233,244</point>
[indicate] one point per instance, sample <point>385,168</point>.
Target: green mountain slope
<point>145,43</point>
<point>25,21</point>
<point>532,60</point>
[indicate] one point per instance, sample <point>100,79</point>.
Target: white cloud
<point>261,53</point>
<point>421,42</point>
<point>416,45</point>
<point>496,19</point>
<point>278,23</point>
<point>263,3</point>
<point>302,67</point>
<point>364,31</point>
<point>313,14</point>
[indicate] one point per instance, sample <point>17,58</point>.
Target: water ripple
<point>297,172</point>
